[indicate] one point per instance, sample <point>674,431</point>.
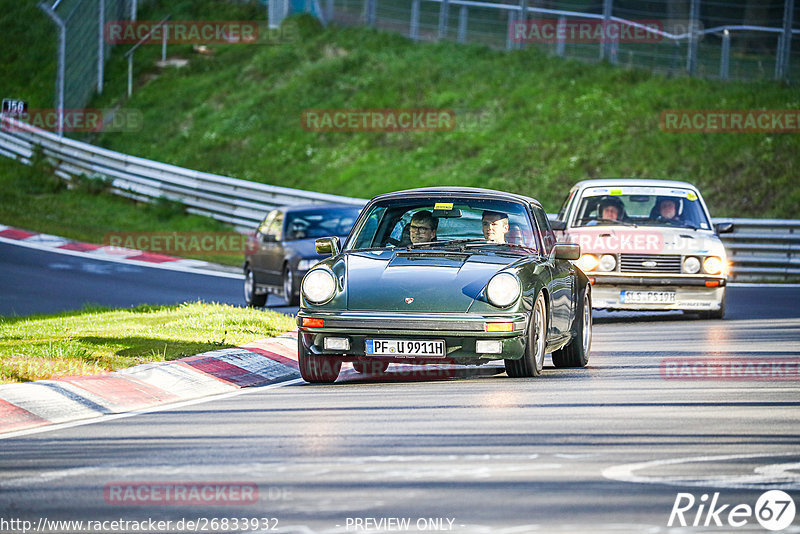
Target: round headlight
<point>319,286</point>
<point>608,262</point>
<point>712,265</point>
<point>587,262</point>
<point>691,265</point>
<point>503,290</point>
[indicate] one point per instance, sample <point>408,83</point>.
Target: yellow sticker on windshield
<point>691,196</point>
<point>615,192</point>
<point>443,206</point>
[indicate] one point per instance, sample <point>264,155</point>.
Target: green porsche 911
<point>445,275</point>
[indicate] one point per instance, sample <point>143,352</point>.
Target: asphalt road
<point>602,449</point>
<point>38,281</point>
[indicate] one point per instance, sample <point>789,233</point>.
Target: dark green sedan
<point>445,276</point>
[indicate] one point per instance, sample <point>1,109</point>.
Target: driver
<point>495,226</point>
<point>423,227</point>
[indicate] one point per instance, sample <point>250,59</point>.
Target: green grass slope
<point>545,122</point>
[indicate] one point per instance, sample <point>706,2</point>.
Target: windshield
<point>320,223</point>
<point>442,223</point>
<point>641,206</point>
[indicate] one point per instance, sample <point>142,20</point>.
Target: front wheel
<point>250,297</point>
<point>576,352</point>
<point>532,361</point>
<point>292,299</point>
<point>316,369</point>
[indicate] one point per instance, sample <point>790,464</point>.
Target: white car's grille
<point>650,263</point>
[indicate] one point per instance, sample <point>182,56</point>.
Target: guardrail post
<point>509,31</point>
<point>369,12</point>
<point>329,8</point>
<point>444,14</point>
<point>413,31</point>
<point>724,61</point>
<point>523,17</point>
<point>560,31</point>
<point>784,54</point>
<point>462,24</point>
<point>608,8</point>
<point>694,24</point>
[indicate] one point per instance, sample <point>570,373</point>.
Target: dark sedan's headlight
<point>319,286</point>
<point>503,290</point>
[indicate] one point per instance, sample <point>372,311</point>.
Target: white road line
<point>772,476</point>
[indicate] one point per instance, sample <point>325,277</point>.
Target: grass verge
<point>96,340</point>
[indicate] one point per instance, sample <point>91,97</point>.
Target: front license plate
<point>647,297</point>
<point>405,347</point>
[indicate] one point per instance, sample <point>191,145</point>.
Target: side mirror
<point>558,225</point>
<point>567,251</point>
<point>725,228</point>
<point>327,245</point>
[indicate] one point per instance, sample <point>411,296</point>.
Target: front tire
<point>576,352</point>
<point>532,361</point>
<point>292,299</point>
<point>316,369</point>
<point>252,299</point>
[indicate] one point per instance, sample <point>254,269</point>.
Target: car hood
<point>645,240</point>
<point>437,281</point>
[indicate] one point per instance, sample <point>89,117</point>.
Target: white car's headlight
<point>319,286</point>
<point>503,290</point>
<point>608,262</point>
<point>304,265</point>
<point>587,262</point>
<point>712,265</point>
<point>691,265</point>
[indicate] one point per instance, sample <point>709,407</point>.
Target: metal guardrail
<point>763,249</point>
<point>759,248</point>
<point>241,203</point>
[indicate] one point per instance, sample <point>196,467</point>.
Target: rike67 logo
<point>774,510</point>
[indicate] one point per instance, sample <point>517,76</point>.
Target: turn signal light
<point>499,327</point>
<point>712,283</point>
<point>313,322</point>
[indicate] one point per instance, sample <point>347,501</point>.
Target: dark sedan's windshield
<point>444,222</point>
<point>320,223</point>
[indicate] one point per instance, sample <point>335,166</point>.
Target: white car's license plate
<point>405,347</point>
<point>647,297</point>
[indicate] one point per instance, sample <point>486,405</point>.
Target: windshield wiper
<point>509,245</point>
<point>448,243</point>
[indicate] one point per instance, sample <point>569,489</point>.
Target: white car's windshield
<point>445,222</point>
<point>641,206</point>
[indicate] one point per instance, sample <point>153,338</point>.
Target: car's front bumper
<point>459,332</point>
<point>691,292</point>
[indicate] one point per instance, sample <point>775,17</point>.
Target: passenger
<point>667,209</point>
<point>423,227</point>
<point>515,235</point>
<point>495,226</point>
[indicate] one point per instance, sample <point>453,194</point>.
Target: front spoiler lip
<point>419,323</point>
<point>654,280</point>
